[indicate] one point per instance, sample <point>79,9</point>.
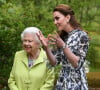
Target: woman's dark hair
<point>66,10</point>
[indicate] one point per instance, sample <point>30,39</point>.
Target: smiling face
<point>60,20</point>
<point>29,43</point>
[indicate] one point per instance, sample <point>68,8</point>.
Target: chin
<point>59,29</point>
<point>28,51</point>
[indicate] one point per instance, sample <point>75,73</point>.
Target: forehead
<point>57,13</point>
<point>28,36</point>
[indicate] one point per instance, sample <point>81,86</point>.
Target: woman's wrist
<point>64,46</point>
<point>45,47</point>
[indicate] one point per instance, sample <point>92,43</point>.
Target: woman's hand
<point>56,40</point>
<point>43,40</point>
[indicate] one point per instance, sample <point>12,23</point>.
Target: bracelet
<point>64,46</point>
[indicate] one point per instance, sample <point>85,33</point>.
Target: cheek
<point>33,46</point>
<point>64,23</point>
<point>62,20</point>
<point>23,45</point>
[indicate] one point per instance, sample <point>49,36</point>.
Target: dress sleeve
<point>11,80</point>
<point>49,80</point>
<point>82,50</point>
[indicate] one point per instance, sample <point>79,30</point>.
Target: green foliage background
<point>15,15</point>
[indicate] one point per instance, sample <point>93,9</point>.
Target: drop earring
<point>67,21</point>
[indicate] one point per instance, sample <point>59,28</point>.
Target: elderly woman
<point>31,69</point>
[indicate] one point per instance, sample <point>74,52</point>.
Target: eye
<point>56,18</point>
<point>30,41</point>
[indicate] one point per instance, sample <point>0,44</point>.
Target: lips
<point>27,47</point>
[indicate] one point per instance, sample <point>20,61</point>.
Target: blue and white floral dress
<point>71,78</point>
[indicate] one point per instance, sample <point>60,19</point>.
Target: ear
<point>68,18</point>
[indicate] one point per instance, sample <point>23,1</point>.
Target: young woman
<point>72,46</point>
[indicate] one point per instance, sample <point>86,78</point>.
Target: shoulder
<point>20,53</point>
<point>82,33</point>
<point>77,36</point>
<point>43,53</point>
<point>83,37</point>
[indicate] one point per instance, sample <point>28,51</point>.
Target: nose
<point>55,22</point>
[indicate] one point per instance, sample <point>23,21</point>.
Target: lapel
<point>24,58</point>
<point>40,59</point>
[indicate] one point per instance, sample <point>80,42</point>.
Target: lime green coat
<point>38,77</point>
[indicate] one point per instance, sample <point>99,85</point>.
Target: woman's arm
<point>78,58</point>
<point>75,60</point>
<point>45,43</point>
<point>50,56</point>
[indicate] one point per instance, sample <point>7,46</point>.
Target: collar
<point>40,59</point>
<point>72,32</point>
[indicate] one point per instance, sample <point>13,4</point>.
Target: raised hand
<point>55,40</point>
<point>43,40</point>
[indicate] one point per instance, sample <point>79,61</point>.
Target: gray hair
<point>33,31</point>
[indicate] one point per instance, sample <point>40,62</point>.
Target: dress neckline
<point>72,32</point>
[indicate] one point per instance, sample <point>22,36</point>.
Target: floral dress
<point>71,78</point>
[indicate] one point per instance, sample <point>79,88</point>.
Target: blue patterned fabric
<point>71,78</point>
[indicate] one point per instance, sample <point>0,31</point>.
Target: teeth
<point>27,46</point>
